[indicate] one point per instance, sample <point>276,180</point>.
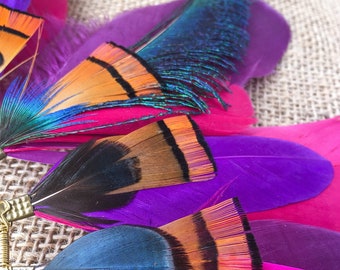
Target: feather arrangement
<point>162,167</point>
<point>127,180</point>
<point>143,88</point>
<point>113,76</point>
<point>218,237</point>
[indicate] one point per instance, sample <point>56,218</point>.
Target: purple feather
<point>263,173</point>
<point>297,245</point>
<point>16,4</point>
<point>269,38</point>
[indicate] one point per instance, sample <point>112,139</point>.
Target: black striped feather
<point>217,237</point>
<point>105,174</point>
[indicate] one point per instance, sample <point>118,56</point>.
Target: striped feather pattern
<point>218,237</point>
<point>105,174</point>
<point>111,73</point>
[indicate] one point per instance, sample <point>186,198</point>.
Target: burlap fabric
<point>305,87</point>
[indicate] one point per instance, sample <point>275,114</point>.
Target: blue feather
<point>123,247</point>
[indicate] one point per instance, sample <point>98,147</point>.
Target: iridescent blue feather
<point>199,48</point>
<point>22,115</point>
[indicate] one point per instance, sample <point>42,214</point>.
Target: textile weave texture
<point>305,87</point>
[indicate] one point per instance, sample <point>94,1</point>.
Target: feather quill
<point>215,238</point>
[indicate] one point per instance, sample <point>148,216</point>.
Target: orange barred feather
<point>110,73</point>
<point>217,237</point>
<point>169,152</point>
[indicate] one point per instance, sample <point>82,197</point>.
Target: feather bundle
<point>101,183</point>
<point>218,237</point>
<point>56,119</point>
<point>113,76</point>
<point>107,173</point>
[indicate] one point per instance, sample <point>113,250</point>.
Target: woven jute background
<point>305,87</point>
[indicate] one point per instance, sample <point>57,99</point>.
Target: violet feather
<point>297,245</point>
<point>16,4</point>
